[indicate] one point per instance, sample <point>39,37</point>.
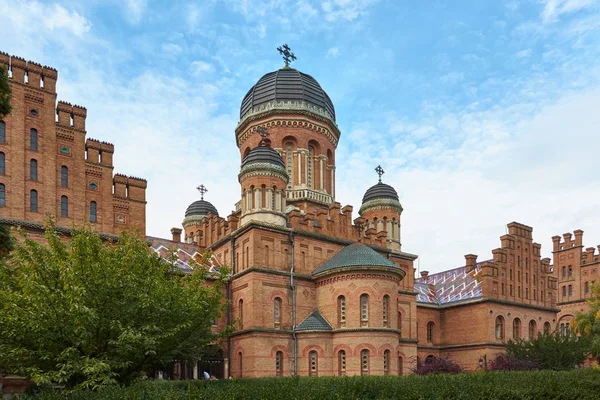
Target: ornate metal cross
<point>264,134</point>
<point>288,56</point>
<point>380,172</point>
<point>202,189</point>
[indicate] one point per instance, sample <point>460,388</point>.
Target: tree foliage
<point>7,241</point>
<point>84,313</point>
<point>588,324</point>
<point>4,93</point>
<point>437,365</point>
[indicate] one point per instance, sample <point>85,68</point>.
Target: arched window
<point>400,321</point>
<point>400,365</point>
<point>240,365</point>
<point>2,195</point>
<point>364,309</point>
<point>386,362</point>
<point>570,271</point>
<point>64,206</point>
<point>309,163</point>
<point>386,309</point>
<point>564,272</point>
<point>93,212</point>
<point>341,363</point>
<point>33,139</point>
<point>289,162</point>
<point>64,176</point>
<point>33,200</point>
<point>499,327</point>
<point>562,330</point>
<point>429,359</point>
<point>516,328</point>
<point>364,362</point>
<point>341,311</point>
<point>532,329</point>
<point>313,364</point>
<point>279,363</point>
<point>277,311</point>
<point>430,327</point>
<point>241,313</point>
<point>2,132</point>
<point>33,169</point>
<point>546,328</point>
<point>2,163</point>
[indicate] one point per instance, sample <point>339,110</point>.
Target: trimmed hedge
<point>546,385</point>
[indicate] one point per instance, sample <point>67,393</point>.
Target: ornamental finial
<point>380,172</point>
<point>202,189</point>
<point>288,56</point>
<point>264,134</point>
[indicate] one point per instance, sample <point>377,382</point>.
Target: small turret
<point>194,216</point>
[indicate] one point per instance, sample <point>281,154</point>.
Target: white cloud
<point>171,49</point>
<point>553,9</point>
<point>200,67</point>
<point>348,10</point>
<point>452,78</point>
<point>333,52</point>
<point>523,53</point>
<point>134,10</point>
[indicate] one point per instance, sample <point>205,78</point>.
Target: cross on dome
<point>380,172</point>
<point>202,189</point>
<point>288,56</point>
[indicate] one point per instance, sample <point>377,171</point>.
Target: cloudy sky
<point>481,112</point>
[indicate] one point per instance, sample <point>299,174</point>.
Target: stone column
<point>299,182</point>
<point>195,369</point>
<point>258,198</point>
<point>321,187</point>
<point>269,199</point>
<point>278,201</point>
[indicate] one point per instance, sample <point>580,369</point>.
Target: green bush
<point>580,384</point>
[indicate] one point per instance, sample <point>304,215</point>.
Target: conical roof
<point>355,255</point>
<point>380,191</point>
<point>314,322</point>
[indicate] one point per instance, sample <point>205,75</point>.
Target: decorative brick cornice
<point>469,302</point>
<point>263,169</point>
<point>242,136</point>
<point>381,204</point>
<point>352,273</point>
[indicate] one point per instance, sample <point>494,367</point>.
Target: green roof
<point>314,322</point>
<point>355,255</point>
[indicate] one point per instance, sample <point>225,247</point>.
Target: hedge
<point>579,384</point>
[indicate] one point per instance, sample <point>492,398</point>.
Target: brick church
<point>315,290</point>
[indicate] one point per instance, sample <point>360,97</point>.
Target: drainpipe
<point>293,289</point>
<point>228,289</point>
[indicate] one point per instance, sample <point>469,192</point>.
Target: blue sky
<point>481,112</point>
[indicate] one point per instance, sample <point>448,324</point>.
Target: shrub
<point>504,362</point>
<point>437,365</point>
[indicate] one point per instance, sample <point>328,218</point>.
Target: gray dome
<point>284,85</point>
<point>263,154</point>
<point>201,207</point>
<point>380,191</point>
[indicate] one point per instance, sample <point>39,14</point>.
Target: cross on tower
<point>380,172</point>
<point>202,189</point>
<point>288,56</point>
<point>264,134</point>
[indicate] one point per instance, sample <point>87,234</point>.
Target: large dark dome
<point>263,154</point>
<point>286,84</point>
<point>200,207</point>
<point>380,191</point>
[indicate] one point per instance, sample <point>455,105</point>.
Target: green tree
<point>6,241</point>
<point>549,351</point>
<point>84,313</point>
<point>4,93</point>
<point>588,324</point>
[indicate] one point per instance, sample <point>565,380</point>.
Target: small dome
<point>357,255</point>
<point>380,191</point>
<point>263,154</point>
<point>200,207</point>
<point>287,84</point>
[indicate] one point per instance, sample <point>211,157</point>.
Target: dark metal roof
<point>263,154</point>
<point>200,207</point>
<point>314,322</point>
<point>355,255</point>
<point>286,84</point>
<point>380,191</point>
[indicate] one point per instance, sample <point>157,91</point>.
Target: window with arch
<point>240,363</point>
<point>364,309</point>
<point>93,212</point>
<point>33,200</point>
<point>2,163</point>
<point>313,364</point>
<point>33,139</point>
<point>2,132</point>
<point>2,195</point>
<point>400,321</point>
<point>516,328</point>
<point>564,272</point>
<point>342,363</point>
<point>277,311</point>
<point>570,290</point>
<point>64,176</point>
<point>364,362</point>
<point>532,329</point>
<point>546,328</point>
<point>499,327</point>
<point>400,365</point>
<point>64,206</point>
<point>241,313</point>
<point>386,362</point>
<point>570,271</point>
<point>33,169</point>
<point>289,147</point>
<point>341,303</point>
<point>562,329</point>
<point>309,163</point>
<point>279,363</point>
<point>385,309</point>
<point>430,331</point>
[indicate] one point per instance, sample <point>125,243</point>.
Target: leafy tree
<point>6,241</point>
<point>437,365</point>
<point>588,324</point>
<point>549,351</point>
<point>4,93</point>
<point>85,313</point>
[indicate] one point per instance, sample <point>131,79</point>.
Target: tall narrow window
<point>277,311</point>
<point>2,163</point>
<point>499,327</point>
<point>33,139</point>
<point>241,313</point>
<point>313,364</point>
<point>364,362</point>
<point>386,362</point>
<point>564,291</point>
<point>33,201</point>
<point>532,329</point>
<point>430,328</point>
<point>33,169</point>
<point>562,329</point>
<point>309,163</point>
<point>400,365</point>
<point>570,290</point>
<point>279,363</point>
<point>64,206</point>
<point>587,287</point>
<point>386,309</point>
<point>2,195</point>
<point>564,272</point>
<point>240,364</point>
<point>516,328</point>
<point>341,311</point>
<point>570,271</point>
<point>546,328</point>
<point>64,176</point>
<point>93,212</point>
<point>289,162</point>
<point>364,309</point>
<point>400,322</point>
<point>341,363</point>
<point>2,132</point>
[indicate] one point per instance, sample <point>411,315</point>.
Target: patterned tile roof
<point>356,254</point>
<point>185,253</point>
<point>314,322</point>
<point>449,286</point>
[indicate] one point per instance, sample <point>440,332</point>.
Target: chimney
<point>176,232</point>
<point>424,274</point>
<point>471,260</point>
